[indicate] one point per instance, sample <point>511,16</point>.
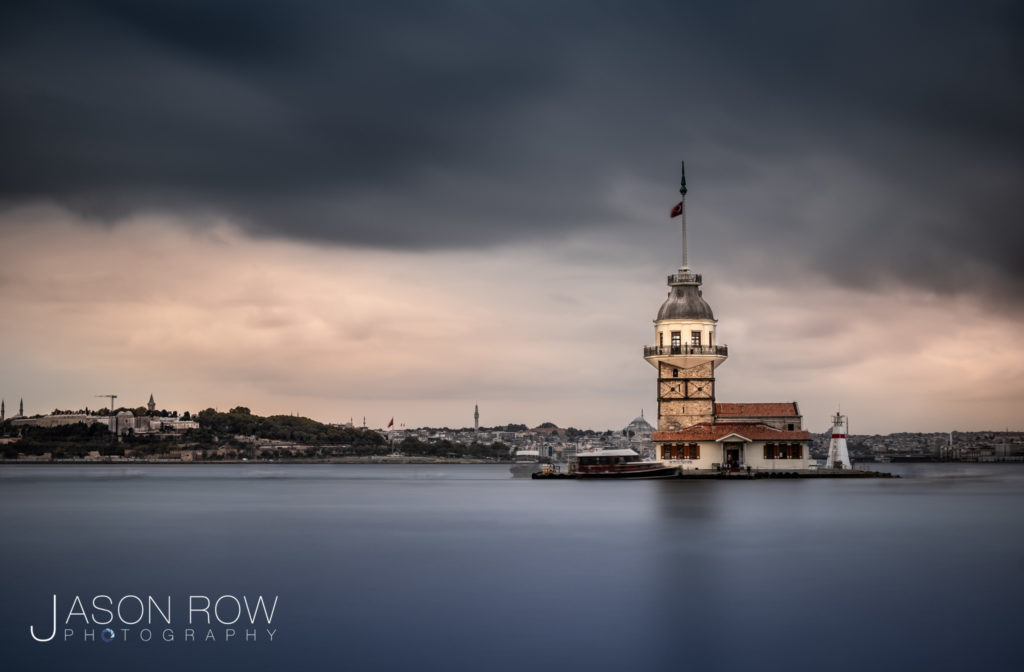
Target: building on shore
<point>694,430</point>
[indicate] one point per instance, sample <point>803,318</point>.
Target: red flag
<point>391,424</point>
<point>676,211</point>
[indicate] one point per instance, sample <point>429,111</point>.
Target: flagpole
<point>682,191</point>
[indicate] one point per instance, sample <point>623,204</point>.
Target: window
<point>675,373</point>
<point>790,426</point>
<point>796,451</point>
<point>661,339</point>
<point>687,451</point>
<point>677,341</point>
<point>695,338</point>
<point>769,451</point>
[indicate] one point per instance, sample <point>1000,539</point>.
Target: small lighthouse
<point>838,455</point>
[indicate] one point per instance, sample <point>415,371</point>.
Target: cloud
<point>886,136</point>
<point>211,316</point>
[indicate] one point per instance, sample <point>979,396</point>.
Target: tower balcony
<point>685,355</point>
<point>669,350</point>
<point>685,278</point>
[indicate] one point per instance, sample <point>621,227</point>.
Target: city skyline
<point>345,212</point>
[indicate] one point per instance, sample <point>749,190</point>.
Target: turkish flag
<point>676,211</point>
<point>391,424</point>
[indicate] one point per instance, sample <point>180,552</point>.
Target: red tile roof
<point>772,410</point>
<point>713,431</point>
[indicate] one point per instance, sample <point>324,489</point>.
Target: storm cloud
<point>886,135</point>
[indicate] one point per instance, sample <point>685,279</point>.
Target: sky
<point>402,209</point>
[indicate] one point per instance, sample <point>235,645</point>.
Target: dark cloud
<point>870,142</point>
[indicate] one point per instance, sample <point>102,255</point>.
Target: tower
<point>21,408</point>
<point>2,410</point>
<point>685,353</point>
<point>476,418</point>
<point>838,455</point>
<point>151,405</point>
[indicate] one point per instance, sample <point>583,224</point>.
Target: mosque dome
<point>685,302</point>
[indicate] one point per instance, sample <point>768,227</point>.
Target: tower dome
<point>685,302</point>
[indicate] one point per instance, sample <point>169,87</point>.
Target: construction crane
<point>113,420</point>
<point>112,397</point>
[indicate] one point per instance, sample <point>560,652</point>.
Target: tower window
<point>677,339</point>
<point>695,338</point>
<point>661,339</point>
<point>675,373</point>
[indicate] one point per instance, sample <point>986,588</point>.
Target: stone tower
<point>151,405</point>
<point>686,352</point>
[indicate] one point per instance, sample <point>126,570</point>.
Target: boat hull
<point>621,473</point>
<point>524,469</point>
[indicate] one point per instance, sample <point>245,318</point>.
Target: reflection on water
<point>460,567</point>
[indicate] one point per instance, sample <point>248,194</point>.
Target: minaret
<point>151,405</point>
<point>2,411</point>
<point>21,408</point>
<point>838,456</point>
<point>685,351</point>
<point>476,418</point>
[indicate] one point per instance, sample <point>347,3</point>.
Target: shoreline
<point>331,460</point>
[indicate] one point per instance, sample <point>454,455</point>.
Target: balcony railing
<point>667,350</point>
<point>677,278</point>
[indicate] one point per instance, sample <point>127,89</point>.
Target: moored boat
<point>619,463</point>
<point>527,462</point>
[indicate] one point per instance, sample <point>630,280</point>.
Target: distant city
<point>146,434</point>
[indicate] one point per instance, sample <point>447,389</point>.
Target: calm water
<point>459,567</point>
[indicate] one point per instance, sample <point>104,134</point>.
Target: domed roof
<point>684,302</point>
<point>639,422</point>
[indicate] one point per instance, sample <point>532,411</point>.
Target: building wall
<point>663,331</point>
<point>58,420</point>
<point>686,396</point>
<point>752,455</point>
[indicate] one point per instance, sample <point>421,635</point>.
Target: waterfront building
<point>694,430</point>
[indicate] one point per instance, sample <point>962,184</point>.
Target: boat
<point>618,463</point>
<point>526,462</point>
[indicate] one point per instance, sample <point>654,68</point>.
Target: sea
<point>463,568</point>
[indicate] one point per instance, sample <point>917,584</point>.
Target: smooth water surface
<point>459,567</point>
